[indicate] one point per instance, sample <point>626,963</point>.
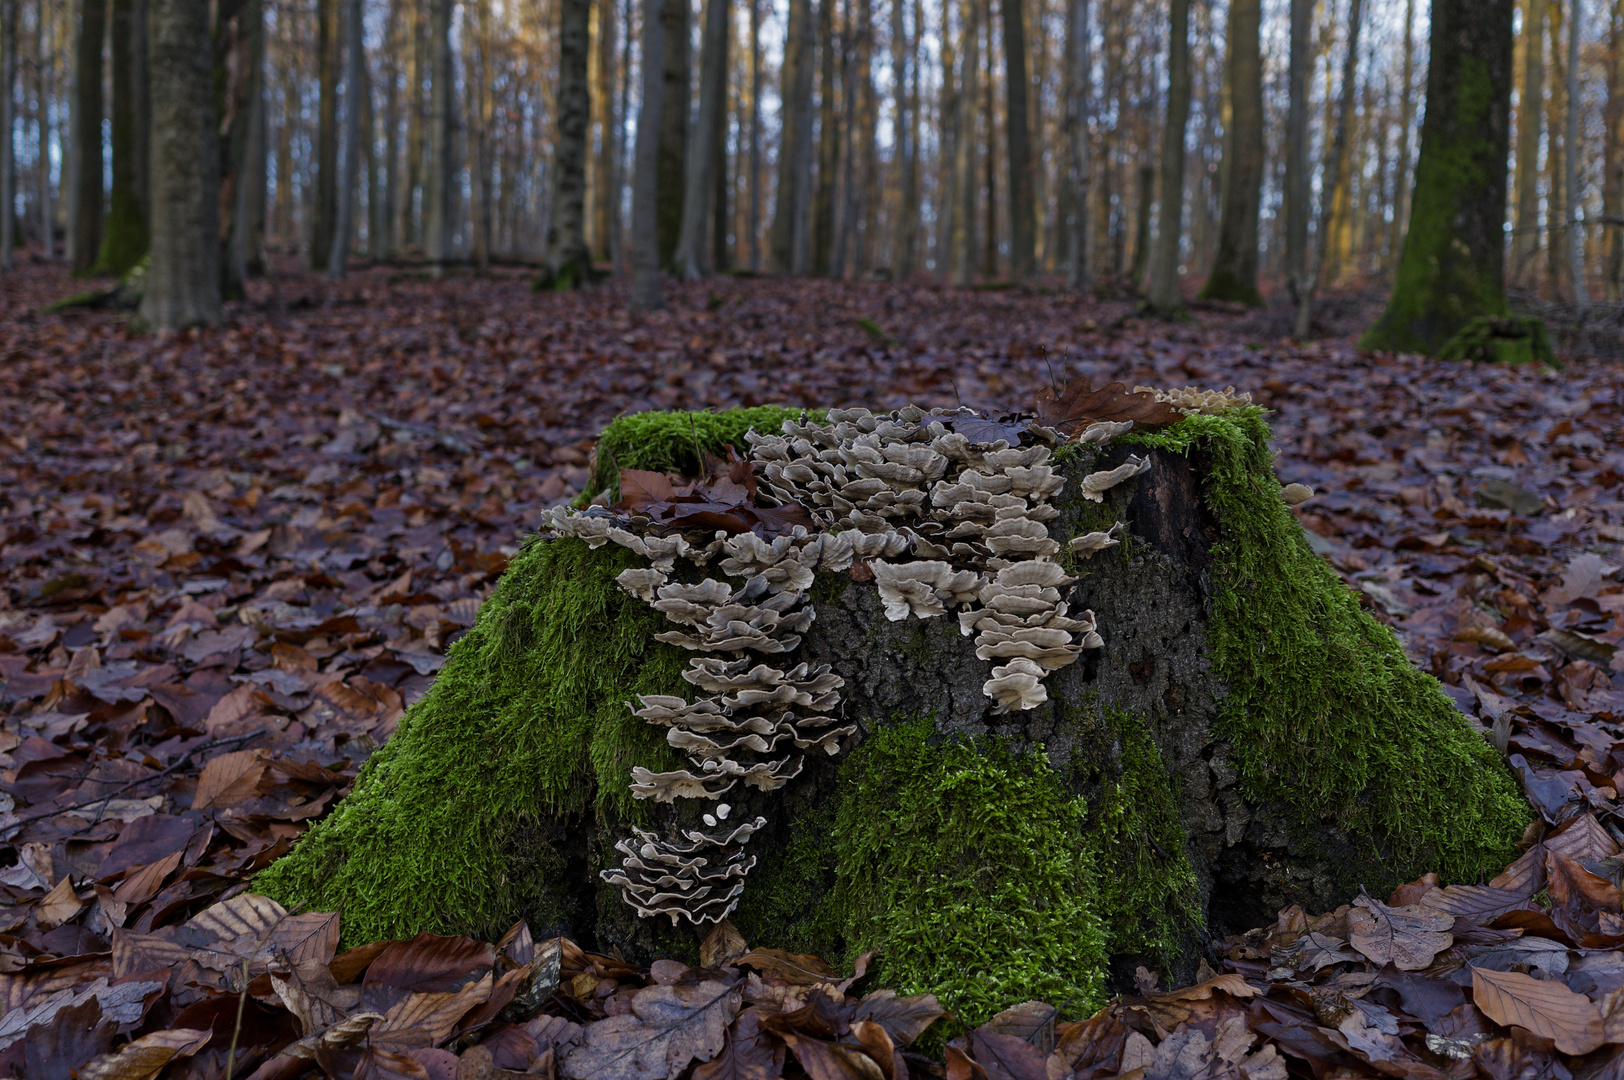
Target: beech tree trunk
<point>438,196</point>
<point>606,200</point>
<point>646,291</point>
<point>675,105</point>
<point>1452,268</point>
<point>245,254</point>
<point>903,152</point>
<point>329,59</point>
<point>1297,178</point>
<point>183,276</point>
<point>124,235</point>
<point>1022,209</point>
<point>1530,112</point>
<point>1401,186</point>
<point>350,179</point>
<point>1079,99</point>
<point>1332,179</point>
<point>569,259</point>
<point>962,240</point>
<point>1575,131</point>
<point>1234,272</point>
<point>8,173</point>
<point>785,245</point>
<point>699,188</point>
<point>1164,296</point>
<point>1613,159</point>
<point>752,221</point>
<point>823,200</point>
<point>87,136</point>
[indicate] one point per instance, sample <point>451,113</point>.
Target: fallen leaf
<point>1406,937</point>
<point>1548,1009</point>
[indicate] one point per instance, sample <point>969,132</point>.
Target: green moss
<point>1149,901</point>
<point>1511,340</point>
<point>965,861</point>
<point>527,721</point>
<point>671,441</point>
<point>787,903</point>
<point>1450,270</point>
<point>1325,714</point>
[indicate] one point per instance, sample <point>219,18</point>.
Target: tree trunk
<point>1556,188</point>
<point>752,221</point>
<point>823,201</point>
<point>1613,154</point>
<point>42,130</point>
<point>616,245</point>
<point>1530,112</point>
<point>1234,272</point>
<point>1575,230</point>
<point>1452,267</point>
<point>183,275</point>
<point>1079,115</point>
<point>962,240</point>
<point>907,217</point>
<point>606,199</point>
<point>1332,181</point>
<point>1297,177</point>
<point>8,167</point>
<point>784,244</point>
<point>477,49</point>
<point>989,160</point>
<point>569,259</point>
<point>646,290</point>
<point>124,234</point>
<point>438,195</point>
<point>87,136</point>
<point>245,245</point>
<point>698,189</point>
<point>1242,736</point>
<point>329,62</point>
<point>1022,209</point>
<point>1164,296</point>
<point>674,142</point>
<point>350,180</point>
<point>719,259</point>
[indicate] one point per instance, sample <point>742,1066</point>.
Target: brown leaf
<point>668,1027</point>
<point>73,1035</point>
<point>1077,405</point>
<point>1406,937</point>
<point>428,1019</point>
<point>905,1018</point>
<point>145,1056</point>
<point>59,905</point>
<point>1090,1048</point>
<point>723,945</point>
<point>230,779</point>
<point>1548,1009</point>
<point>1030,1021</point>
<point>749,1054</point>
<point>794,968</point>
<point>640,488</point>
<point>832,1061</point>
<point>1008,1057</point>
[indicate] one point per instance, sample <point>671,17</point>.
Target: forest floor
<point>231,557</point>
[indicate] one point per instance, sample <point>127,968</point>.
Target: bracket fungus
<point>942,520</point>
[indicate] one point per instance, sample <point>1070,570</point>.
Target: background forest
<point>1121,144</point>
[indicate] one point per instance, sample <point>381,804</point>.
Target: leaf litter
<point>232,558</point>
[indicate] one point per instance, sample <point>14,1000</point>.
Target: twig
<point>122,788</point>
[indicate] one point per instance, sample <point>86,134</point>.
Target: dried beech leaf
<point>1548,1009</point>
<point>794,968</point>
<point>668,1027</point>
<point>1406,937</point>
<point>142,1058</point>
<point>723,945</point>
<point>1078,404</point>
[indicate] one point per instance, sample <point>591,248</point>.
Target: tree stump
<point>1244,737</point>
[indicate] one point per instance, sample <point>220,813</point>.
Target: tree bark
<point>962,238</point>
<point>42,131</point>
<point>329,61</point>
<point>1530,112</point>
<point>438,195</point>
<point>1165,297</point>
<point>785,245</point>
<point>1022,209</point>
<point>1332,180</point>
<point>698,190</point>
<point>646,290</point>
<point>1079,115</point>
<point>1297,177</point>
<point>674,134</point>
<point>569,259</point>
<point>1575,231</point>
<point>8,167</point>
<point>124,235</point>
<point>244,198</point>
<point>1234,272</point>
<point>183,276</point>
<point>349,181</point>
<point>1401,184</point>
<point>1453,263</point>
<point>87,136</point>
<point>907,216</point>
<point>752,221</point>
<point>607,197</point>
<point>823,202</point>
<point>1613,155</point>
<point>1556,187</point>
<point>477,50</point>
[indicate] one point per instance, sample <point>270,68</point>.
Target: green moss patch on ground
<point>1325,713</point>
<point>672,441</point>
<point>527,722</point>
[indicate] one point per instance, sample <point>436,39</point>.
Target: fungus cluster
<point>1192,400</point>
<point>942,518</point>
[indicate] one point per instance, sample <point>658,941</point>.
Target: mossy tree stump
<point>1248,737</point>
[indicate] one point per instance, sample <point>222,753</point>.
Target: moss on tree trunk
<point>1452,267</point>
<point>1247,737</point>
